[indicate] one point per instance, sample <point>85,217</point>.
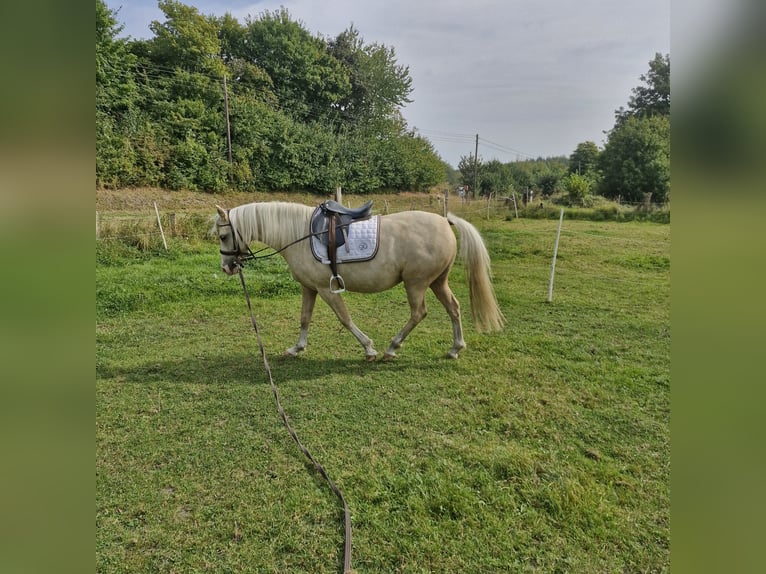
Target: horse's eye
<point>223,238</point>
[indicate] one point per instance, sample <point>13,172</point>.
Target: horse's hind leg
<point>341,311</point>
<point>307,309</point>
<point>443,293</point>
<point>416,297</point>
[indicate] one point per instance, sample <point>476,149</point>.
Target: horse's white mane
<point>274,223</point>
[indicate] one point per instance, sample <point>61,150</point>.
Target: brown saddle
<point>329,223</point>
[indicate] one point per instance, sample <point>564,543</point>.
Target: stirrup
<point>339,282</point>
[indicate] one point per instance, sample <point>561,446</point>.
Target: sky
<point>533,78</point>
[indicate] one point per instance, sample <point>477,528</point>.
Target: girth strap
<point>332,255</point>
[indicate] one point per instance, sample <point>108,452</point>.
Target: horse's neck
<point>275,224</point>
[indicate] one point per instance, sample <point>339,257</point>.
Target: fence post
<point>446,198</point>
<point>555,253</point>
<point>97,229</point>
<point>165,243</point>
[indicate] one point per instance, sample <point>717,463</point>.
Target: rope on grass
<point>346,512</point>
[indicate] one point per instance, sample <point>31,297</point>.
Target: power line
<point>504,148</point>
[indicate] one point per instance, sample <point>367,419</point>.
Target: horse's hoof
<point>389,357</point>
<point>371,358</point>
<point>452,355</point>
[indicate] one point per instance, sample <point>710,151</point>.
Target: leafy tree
<point>115,88</point>
<point>636,160</point>
<point>451,174</point>
<point>160,117</point>
<point>548,181</point>
<point>522,175</point>
<point>636,157</point>
<point>308,81</point>
<point>467,167</point>
<point>584,159</point>
<point>653,99</point>
<point>231,35</point>
<point>243,76</point>
<point>548,174</point>
<point>116,95</point>
<point>379,86</point>
<point>186,39</point>
<point>494,178</point>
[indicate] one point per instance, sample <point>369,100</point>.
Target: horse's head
<point>233,252</point>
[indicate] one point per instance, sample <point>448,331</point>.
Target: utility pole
<point>476,166</point>
<point>226,106</point>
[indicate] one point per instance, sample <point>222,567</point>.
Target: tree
<point>308,81</point>
<point>115,88</point>
<point>636,157</point>
<point>186,39</point>
<point>522,176</point>
<point>494,178</point>
<point>636,160</point>
<point>243,76</point>
<point>584,159</point>
<point>468,166</point>
<point>160,118</point>
<point>379,86</point>
<point>653,99</point>
<point>547,174</point>
<point>116,101</point>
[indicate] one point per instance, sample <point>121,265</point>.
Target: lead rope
<point>319,467</point>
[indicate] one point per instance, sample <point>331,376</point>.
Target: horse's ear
<point>222,213</point>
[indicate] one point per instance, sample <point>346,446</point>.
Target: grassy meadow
<point>544,448</point>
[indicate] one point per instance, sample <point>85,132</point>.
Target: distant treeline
<point>300,111</point>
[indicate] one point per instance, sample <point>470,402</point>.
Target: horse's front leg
<point>339,307</point>
<point>307,309</point>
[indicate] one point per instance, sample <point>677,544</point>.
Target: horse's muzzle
<point>231,269</point>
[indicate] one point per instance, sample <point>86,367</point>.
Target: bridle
<point>249,256</point>
<point>237,251</point>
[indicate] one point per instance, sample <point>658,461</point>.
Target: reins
<point>319,467</point>
<point>253,256</point>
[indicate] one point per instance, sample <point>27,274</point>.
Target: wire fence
<point>149,231</point>
<point>195,224</point>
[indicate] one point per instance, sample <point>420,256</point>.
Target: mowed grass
<point>544,448</point>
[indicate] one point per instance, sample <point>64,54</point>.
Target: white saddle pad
<point>361,242</point>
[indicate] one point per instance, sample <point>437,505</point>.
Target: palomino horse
<point>415,247</point>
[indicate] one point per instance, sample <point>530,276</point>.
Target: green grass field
<point>544,448</point>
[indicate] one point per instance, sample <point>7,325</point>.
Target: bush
<point>577,188</point>
<point>599,209</point>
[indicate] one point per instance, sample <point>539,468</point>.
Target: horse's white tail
<point>485,312</point>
